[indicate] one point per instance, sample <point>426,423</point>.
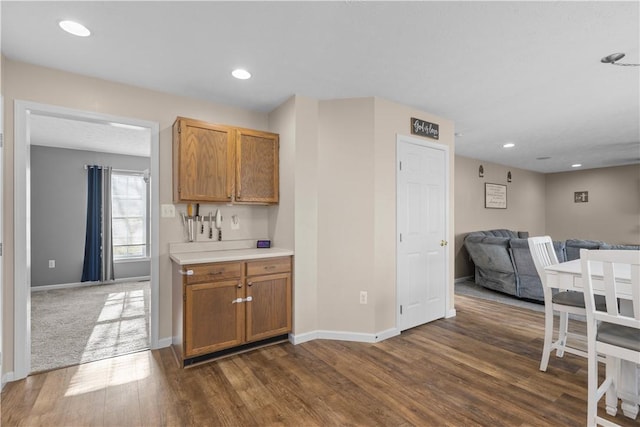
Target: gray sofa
<point>503,261</point>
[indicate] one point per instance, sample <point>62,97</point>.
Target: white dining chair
<point>609,333</point>
<point>563,302</point>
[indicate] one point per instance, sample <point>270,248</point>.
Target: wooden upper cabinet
<point>217,163</point>
<point>257,174</point>
<point>203,161</point>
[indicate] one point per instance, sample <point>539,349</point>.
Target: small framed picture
<point>495,196</point>
<point>581,197</point>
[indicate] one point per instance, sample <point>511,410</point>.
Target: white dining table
<point>568,275</point>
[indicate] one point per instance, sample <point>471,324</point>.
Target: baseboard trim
<point>463,279</point>
<point>343,336</point>
<point>163,342</point>
<point>7,378</point>
<point>84,284</point>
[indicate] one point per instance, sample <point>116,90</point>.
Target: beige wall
<point>526,201</point>
<point>612,213</point>
<point>32,83</point>
<point>392,119</point>
<point>345,214</point>
<point>337,208</point>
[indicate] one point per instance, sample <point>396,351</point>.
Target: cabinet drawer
<point>268,266</point>
<point>212,272</point>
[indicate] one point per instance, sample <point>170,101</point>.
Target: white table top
<point>622,271</point>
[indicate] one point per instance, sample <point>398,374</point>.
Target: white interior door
<point>422,232</point>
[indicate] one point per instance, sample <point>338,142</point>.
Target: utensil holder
<point>191,229</point>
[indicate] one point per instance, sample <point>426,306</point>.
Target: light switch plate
<point>167,211</point>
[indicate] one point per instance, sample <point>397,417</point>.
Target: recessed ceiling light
<point>576,165</point>
<point>75,28</point>
<point>509,145</point>
<point>241,74</point>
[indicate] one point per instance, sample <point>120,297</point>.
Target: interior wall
<point>48,86</point>
<point>612,213</point>
<point>345,214</point>
<point>59,209</point>
<point>392,119</point>
<point>294,220</point>
<point>526,202</point>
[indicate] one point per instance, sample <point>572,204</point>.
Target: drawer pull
<point>186,273</point>
<point>239,300</point>
<point>213,273</point>
<point>269,267</point>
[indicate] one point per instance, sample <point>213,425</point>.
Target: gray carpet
<point>469,288</point>
<point>80,325</point>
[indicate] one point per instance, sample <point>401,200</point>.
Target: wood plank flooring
<point>477,369</point>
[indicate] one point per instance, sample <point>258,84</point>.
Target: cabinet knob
<point>240,285</point>
<point>249,283</point>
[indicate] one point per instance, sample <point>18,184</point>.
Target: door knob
<point>443,243</point>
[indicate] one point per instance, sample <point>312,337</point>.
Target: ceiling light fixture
<point>576,165</point>
<point>75,28</point>
<point>241,74</point>
<point>509,145</point>
<point>611,59</point>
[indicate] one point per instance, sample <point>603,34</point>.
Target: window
<point>129,215</point>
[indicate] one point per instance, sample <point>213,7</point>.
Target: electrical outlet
<point>363,297</point>
<point>52,263</point>
<point>167,211</point>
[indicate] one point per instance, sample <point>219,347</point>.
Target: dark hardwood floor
<point>477,369</point>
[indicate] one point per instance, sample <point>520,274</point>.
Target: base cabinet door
<point>214,317</point>
<point>269,307</point>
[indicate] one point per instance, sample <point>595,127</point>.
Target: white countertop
<point>201,257</point>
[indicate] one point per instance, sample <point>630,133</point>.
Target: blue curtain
<point>98,243</point>
<point>93,240</point>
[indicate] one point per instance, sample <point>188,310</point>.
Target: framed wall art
<point>495,196</point>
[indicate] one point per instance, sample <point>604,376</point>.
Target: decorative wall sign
<point>581,197</point>
<point>495,196</point>
<point>424,128</point>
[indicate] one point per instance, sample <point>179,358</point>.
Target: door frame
<point>447,185</point>
<point>22,222</point>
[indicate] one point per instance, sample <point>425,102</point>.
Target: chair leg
<point>612,371</point>
<point>548,336</point>
<point>562,333</point>
<point>592,388</point>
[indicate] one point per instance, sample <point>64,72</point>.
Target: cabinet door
<point>269,311</point>
<point>213,319</point>
<point>257,157</point>
<point>203,161</point>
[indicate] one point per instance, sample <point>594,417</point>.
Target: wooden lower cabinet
<point>269,311</point>
<point>232,304</point>
<point>212,320</point>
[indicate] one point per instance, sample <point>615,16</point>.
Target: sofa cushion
<point>529,285</point>
<point>607,246</point>
<point>573,247</point>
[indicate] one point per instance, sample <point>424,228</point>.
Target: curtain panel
<point>98,246</point>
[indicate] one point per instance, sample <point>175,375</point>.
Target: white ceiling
<point>522,72</point>
<point>88,135</point>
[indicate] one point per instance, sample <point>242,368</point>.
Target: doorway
<point>24,116</point>
<point>422,213</point>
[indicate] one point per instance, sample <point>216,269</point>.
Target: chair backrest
<point>543,254</point>
<point>607,270</point>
